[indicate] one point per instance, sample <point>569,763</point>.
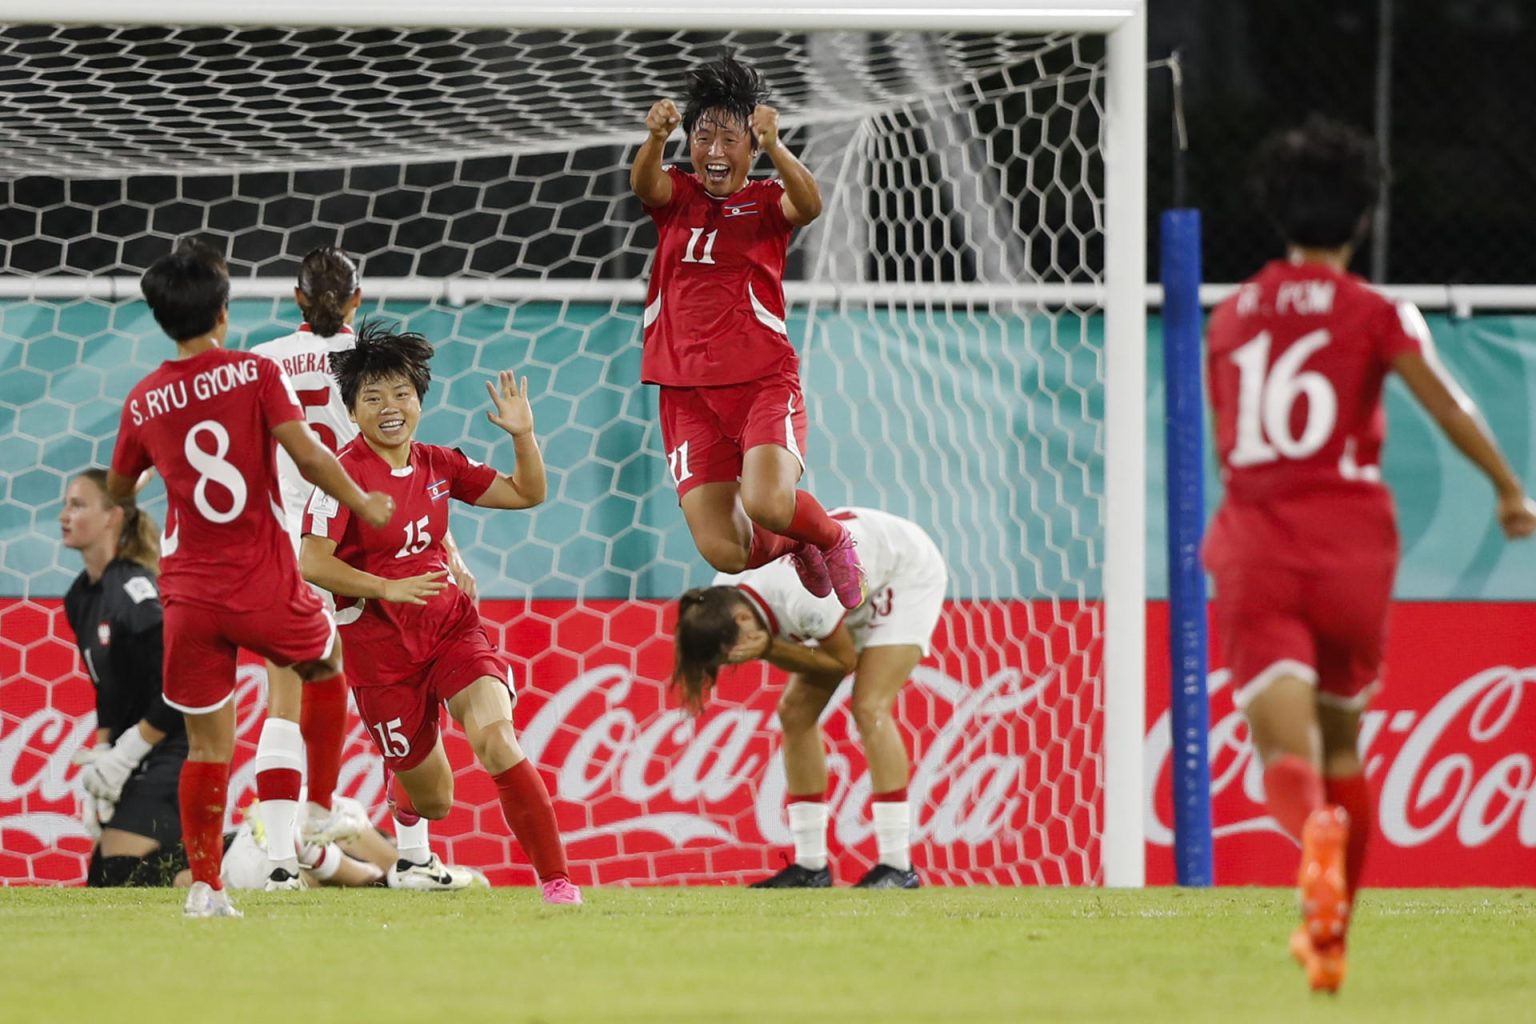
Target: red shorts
<point>704,431</point>
<point>203,643</point>
<point>402,717</point>
<point>1326,626</point>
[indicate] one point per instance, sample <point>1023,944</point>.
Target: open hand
<point>513,413</point>
<point>415,589</point>
<point>750,645</point>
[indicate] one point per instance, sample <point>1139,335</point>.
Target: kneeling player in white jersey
<point>306,724</point>
<point>766,613</point>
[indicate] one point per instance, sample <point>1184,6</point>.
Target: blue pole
<point>1184,440</point>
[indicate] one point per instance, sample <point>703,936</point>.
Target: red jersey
<point>1296,359</point>
<point>205,423</point>
<point>387,642</point>
<point>714,311</point>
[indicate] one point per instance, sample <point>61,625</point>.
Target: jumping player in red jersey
<point>205,420</point>
<point>732,415</point>
<point>1304,547</point>
<point>414,639</point>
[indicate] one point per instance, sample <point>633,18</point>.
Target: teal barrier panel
<point>984,428</point>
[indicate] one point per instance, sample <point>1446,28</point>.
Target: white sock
<point>413,842</point>
<point>893,833</point>
<point>808,824</point>
<point>280,748</point>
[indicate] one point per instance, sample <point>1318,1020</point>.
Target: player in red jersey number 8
<point>1304,548</point>
<point>733,417</point>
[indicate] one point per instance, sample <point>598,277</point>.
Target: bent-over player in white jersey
<point>329,294</point>
<point>766,613</point>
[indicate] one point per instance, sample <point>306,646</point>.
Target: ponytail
<point>328,278</point>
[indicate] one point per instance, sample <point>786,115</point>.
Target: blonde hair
<point>140,540</point>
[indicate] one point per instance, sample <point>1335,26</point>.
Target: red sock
<point>1293,790</point>
<point>766,546</point>
<point>323,723</point>
<point>526,806</point>
<point>203,790</point>
<point>400,803</point>
<point>812,524</point>
<point>1353,794</point>
<point>895,796</point>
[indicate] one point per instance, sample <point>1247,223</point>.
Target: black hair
<point>1317,183</point>
<point>706,629</point>
<point>187,289</point>
<point>382,350</point>
<point>726,85</point>
<point>328,278</point>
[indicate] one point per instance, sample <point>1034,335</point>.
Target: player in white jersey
<point>328,293</point>
<point>767,614</point>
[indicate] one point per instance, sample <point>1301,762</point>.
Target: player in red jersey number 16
<point>1304,548</point>
<point>733,419</point>
<point>414,639</point>
<point>229,579</point>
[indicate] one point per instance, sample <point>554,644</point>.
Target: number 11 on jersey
<point>693,240</point>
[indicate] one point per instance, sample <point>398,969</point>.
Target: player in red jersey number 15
<point>732,414</point>
<point>414,639</point>
<point>1304,547</point>
<point>229,579</point>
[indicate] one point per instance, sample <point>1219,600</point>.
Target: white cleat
<point>433,876</point>
<point>203,900</point>
<point>345,820</point>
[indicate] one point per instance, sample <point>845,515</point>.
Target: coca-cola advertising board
<point>1003,723</point>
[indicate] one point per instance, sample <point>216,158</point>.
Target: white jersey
<point>904,572</point>
<point>305,359</point>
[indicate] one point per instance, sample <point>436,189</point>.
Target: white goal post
<point>1120,282</point>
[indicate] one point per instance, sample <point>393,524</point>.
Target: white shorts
<point>906,610</point>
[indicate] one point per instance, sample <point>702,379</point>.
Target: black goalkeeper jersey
<point>116,622</point>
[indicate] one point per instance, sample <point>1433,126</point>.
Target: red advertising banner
<point>1448,748</point>
<point>1002,722</point>
<point>1004,727</point>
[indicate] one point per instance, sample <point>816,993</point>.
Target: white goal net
<point>946,306</point>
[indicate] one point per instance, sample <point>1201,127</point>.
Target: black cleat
<point>883,876</point>
<point>796,877</point>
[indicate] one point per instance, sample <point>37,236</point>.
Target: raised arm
<point>525,486</point>
<point>801,201</point>
<point>646,177</point>
<point>317,465</point>
<point>1437,391</point>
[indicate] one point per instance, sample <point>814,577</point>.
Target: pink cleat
<point>811,567</point>
<point>846,572</point>
<point>560,890</point>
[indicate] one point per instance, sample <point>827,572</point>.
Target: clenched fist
<point>662,119</point>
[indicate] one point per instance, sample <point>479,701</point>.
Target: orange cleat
<point>1318,945</point>
<point>1324,967</point>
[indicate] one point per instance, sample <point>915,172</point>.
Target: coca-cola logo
<point>1460,768</point>
<point>660,771</point>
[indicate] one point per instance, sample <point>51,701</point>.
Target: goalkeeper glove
<point>108,772</point>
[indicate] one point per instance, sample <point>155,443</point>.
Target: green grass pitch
<point>725,955</point>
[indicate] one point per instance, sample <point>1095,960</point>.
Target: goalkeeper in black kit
<point>130,776</point>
